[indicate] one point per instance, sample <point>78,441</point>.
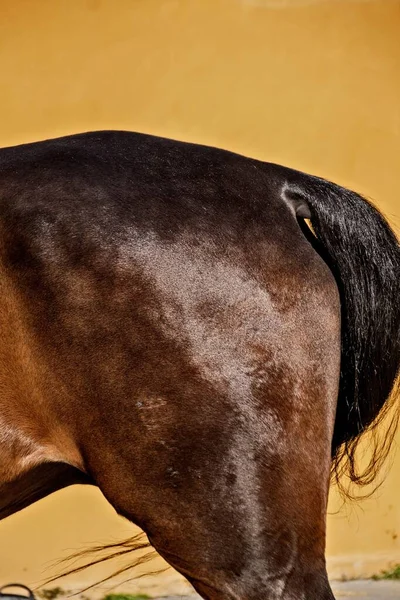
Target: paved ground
<point>349,590</point>
<point>367,590</point>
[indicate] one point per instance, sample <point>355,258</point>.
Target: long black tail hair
<point>363,253</point>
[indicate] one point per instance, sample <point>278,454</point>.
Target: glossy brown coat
<point>171,336</point>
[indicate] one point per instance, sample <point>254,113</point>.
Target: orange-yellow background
<point>312,84</point>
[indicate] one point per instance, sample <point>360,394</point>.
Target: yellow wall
<point>311,84</point>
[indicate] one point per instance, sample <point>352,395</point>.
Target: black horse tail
<point>364,255</point>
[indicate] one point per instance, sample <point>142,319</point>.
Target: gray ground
<point>367,590</point>
<point>349,590</point>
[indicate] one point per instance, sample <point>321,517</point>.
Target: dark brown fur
<point>170,335</point>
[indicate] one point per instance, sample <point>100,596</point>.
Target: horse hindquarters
<point>224,460</point>
<point>189,338</point>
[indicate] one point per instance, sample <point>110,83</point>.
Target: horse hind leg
<point>30,466</point>
<point>35,484</point>
<point>240,517</point>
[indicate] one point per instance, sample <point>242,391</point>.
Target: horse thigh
<point>230,490</point>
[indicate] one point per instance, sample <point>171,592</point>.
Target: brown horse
<point>174,333</point>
